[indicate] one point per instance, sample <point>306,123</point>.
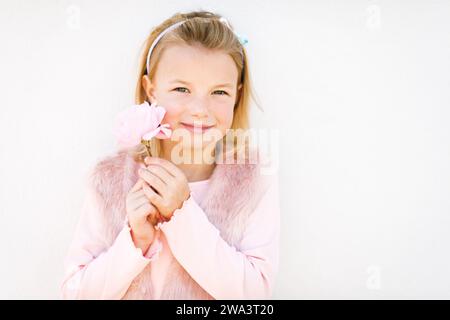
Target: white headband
<point>242,40</point>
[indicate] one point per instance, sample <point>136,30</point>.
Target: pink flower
<point>140,122</point>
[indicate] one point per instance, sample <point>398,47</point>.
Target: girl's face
<point>197,86</point>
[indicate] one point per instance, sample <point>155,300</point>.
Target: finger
<point>161,173</point>
<point>136,195</point>
<point>153,180</point>
<point>148,205</point>
<point>154,198</point>
<point>132,198</point>
<point>137,185</point>
<point>139,202</point>
<point>169,166</point>
<point>164,176</point>
<point>143,212</point>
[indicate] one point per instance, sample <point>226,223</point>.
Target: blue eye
<point>180,88</point>
<point>224,92</point>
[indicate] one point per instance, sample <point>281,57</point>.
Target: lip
<point>196,129</point>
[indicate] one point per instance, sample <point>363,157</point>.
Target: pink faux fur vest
<point>234,191</point>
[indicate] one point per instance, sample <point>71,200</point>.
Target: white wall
<point>360,92</point>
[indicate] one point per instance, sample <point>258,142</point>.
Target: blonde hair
<point>202,28</point>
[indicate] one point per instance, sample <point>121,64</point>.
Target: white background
<point>360,93</point>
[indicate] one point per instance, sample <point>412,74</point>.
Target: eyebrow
<point>217,85</point>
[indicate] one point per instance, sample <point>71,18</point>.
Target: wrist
<point>167,218</point>
<point>141,242</point>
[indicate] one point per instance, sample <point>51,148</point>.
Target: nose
<point>199,108</point>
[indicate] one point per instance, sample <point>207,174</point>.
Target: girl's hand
<point>169,186</point>
<point>142,216</point>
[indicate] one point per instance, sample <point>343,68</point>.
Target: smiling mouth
<point>196,128</point>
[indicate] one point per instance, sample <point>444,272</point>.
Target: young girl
<point>157,228</point>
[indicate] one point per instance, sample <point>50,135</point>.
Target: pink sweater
<point>95,271</point>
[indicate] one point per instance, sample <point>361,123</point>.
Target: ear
<point>238,91</point>
<point>148,88</point>
<point>238,96</point>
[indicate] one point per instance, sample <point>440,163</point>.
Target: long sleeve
<point>222,270</point>
<point>94,270</point>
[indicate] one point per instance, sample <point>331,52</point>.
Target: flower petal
<point>165,132</point>
<point>160,112</point>
<point>151,134</point>
<point>139,122</point>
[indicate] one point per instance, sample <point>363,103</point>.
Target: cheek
<point>174,110</point>
<point>224,117</point>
